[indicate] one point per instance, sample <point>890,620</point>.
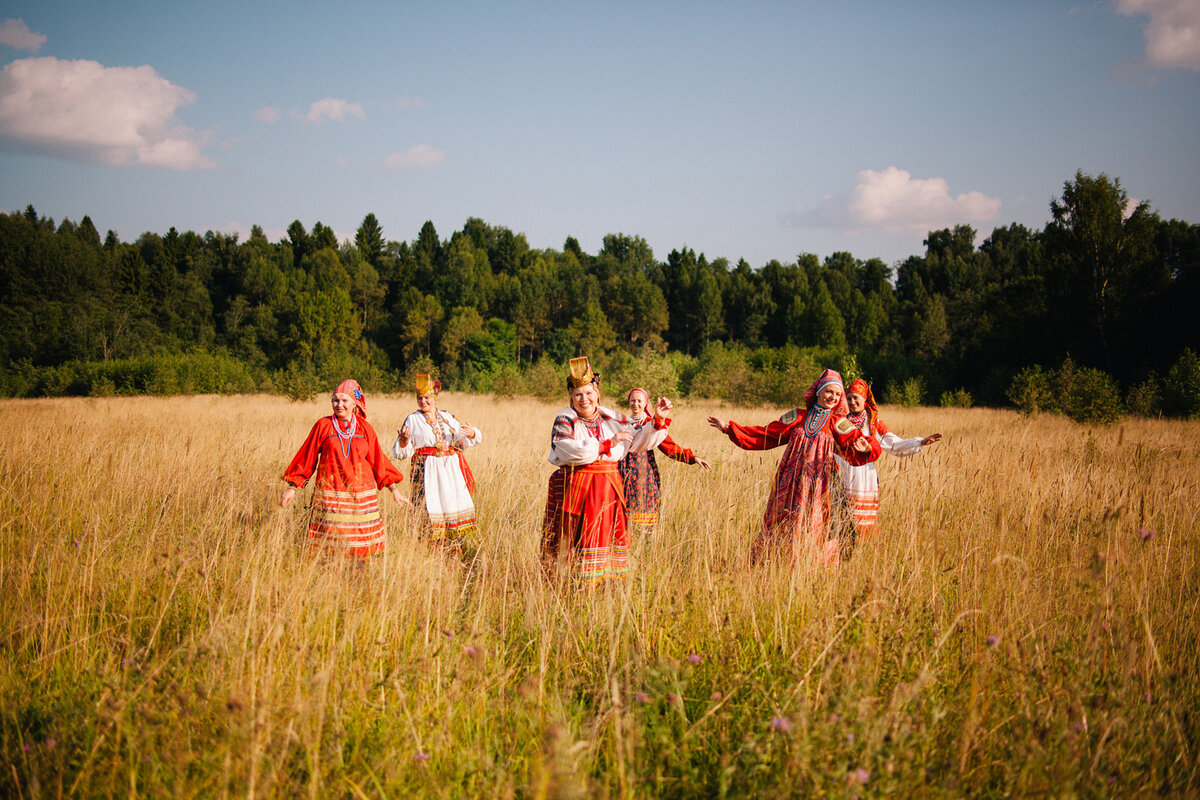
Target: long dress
<point>442,483</point>
<point>798,508</point>
<point>350,469</point>
<point>861,481</point>
<point>643,486</point>
<point>585,530</point>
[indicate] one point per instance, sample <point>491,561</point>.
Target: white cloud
<point>419,156</point>
<point>15,33</point>
<point>893,201</point>
<point>333,108</point>
<point>267,114</point>
<point>1173,32</point>
<point>84,111</point>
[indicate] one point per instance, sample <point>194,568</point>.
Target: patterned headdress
<point>645,394</point>
<point>863,389</point>
<point>581,373</point>
<point>425,386</point>
<point>351,389</point>
<point>827,377</point>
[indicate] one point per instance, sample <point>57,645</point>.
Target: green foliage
<point>959,398</point>
<point>908,393</point>
<point>651,370</point>
<point>1181,389</point>
<point>1089,395</point>
<point>1032,391</point>
<point>1145,399</point>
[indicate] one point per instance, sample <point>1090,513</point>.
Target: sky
<point>755,130</point>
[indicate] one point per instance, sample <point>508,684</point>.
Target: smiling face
<point>426,403</point>
<point>343,406</point>
<point>585,400</point>
<point>829,396</point>
<point>857,402</point>
<point>637,404</point>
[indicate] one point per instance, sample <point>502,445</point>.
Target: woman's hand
<point>622,436</point>
<point>719,424</point>
<point>931,439</point>
<point>402,436</point>
<point>700,462</point>
<point>466,430</point>
<point>289,494</point>
<point>861,445</point>
<point>662,408</point>
<point>399,497</point>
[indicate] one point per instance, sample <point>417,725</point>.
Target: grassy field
<point>1024,624</point>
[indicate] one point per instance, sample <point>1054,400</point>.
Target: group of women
<point>606,484</point>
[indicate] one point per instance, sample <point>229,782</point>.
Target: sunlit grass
<point>1023,624</point>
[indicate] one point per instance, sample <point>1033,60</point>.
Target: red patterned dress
<point>584,532</point>
<point>351,468</point>
<point>643,486</point>
<point>797,515</point>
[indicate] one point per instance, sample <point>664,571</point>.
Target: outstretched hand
<point>662,407</point>
<point>719,424</point>
<point>931,439</point>
<point>700,462</point>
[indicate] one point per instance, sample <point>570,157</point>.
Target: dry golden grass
<point>1025,623</point>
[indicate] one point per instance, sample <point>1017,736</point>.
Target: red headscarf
<point>351,389</point>
<point>827,377</point>
<point>863,389</point>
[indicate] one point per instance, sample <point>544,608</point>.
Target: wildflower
<point>1146,533</point>
<point>835,718</point>
<point>77,543</point>
<point>420,755</point>
<point>641,697</point>
<point>695,658</point>
<point>781,724</point>
<point>673,699</point>
<point>858,775</point>
<point>715,696</point>
<point>471,651</point>
<point>51,744</point>
<point>992,641</point>
<point>449,633</point>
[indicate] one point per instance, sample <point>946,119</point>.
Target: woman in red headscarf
<point>639,470</point>
<point>351,468</point>
<point>797,518</point>
<point>861,481</point>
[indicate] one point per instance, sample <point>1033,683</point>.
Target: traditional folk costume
<point>585,528</point>
<point>442,483</point>
<point>351,468</point>
<point>798,509</point>
<point>861,482</point>
<point>639,473</point>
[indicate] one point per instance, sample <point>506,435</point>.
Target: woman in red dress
<point>797,518</point>
<point>351,468</point>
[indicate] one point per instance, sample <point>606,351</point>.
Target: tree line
<point>1106,285</point>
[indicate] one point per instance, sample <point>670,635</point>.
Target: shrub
<point>907,394</point>
<point>959,398</point>
<point>649,369</point>
<point>1031,391</point>
<point>1181,389</point>
<point>724,373</point>
<point>1145,399</point>
<point>1090,395</point>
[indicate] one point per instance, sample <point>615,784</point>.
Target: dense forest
<point>1100,296</point>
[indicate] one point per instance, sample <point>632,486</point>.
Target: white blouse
<point>422,434</point>
<point>574,443</point>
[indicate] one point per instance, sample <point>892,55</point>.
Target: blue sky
<point>754,130</point>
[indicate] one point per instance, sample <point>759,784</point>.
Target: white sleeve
<point>891,443</point>
<point>645,438</point>
<point>401,453</point>
<point>569,448</point>
<point>460,441</point>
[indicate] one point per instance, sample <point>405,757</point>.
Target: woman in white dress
<point>861,483</point>
<point>441,479</point>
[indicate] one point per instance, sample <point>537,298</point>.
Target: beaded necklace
<point>345,438</point>
<point>592,426</point>
<point>858,419</point>
<point>441,437</point>
<point>815,420</point>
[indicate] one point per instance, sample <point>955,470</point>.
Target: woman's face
<point>857,402</point>
<point>426,403</point>
<point>343,406</point>
<point>637,404</point>
<point>585,399</point>
<point>829,396</point>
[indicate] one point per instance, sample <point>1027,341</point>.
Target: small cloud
<point>335,109</point>
<point>893,201</point>
<point>15,33</point>
<point>268,115</point>
<point>84,111</point>
<point>411,102</point>
<point>419,156</point>
<point>1173,33</point>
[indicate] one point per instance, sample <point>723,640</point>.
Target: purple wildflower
<point>51,744</point>
<point>641,697</point>
<point>781,724</point>
<point>421,755</point>
<point>861,775</point>
<point>1146,533</point>
<point>992,641</point>
<point>695,658</point>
